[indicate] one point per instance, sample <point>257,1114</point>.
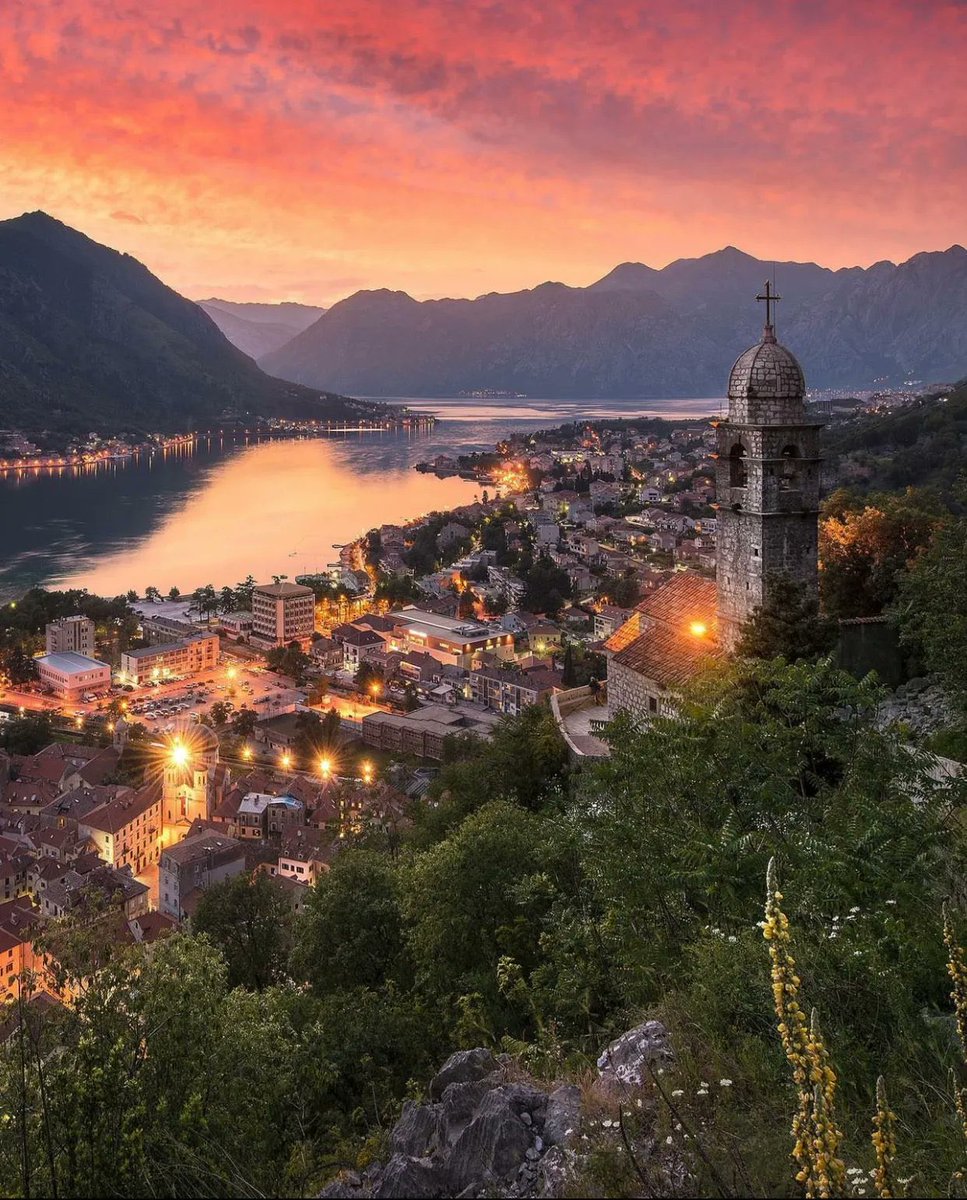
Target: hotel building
<point>283,613</point>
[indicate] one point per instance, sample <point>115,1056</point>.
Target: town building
<point>509,692</point>
<point>283,613</point>
<point>127,829</point>
<point>192,866</point>
<point>449,639</point>
<point>170,660</point>
<point>74,635</point>
<point>73,676</point>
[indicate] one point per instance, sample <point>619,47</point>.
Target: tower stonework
<point>767,482</point>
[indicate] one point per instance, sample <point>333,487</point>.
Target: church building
<point>767,488</point>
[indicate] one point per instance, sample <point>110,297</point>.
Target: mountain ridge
<point>642,332</point>
<point>91,339</point>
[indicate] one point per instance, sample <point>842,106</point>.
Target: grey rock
<point>494,1141</point>
<point>526,1118</point>
<point>460,1103</point>
<point>405,1178</point>
<point>532,1154</point>
<point>465,1066</point>
<point>417,1132</point>
<point>563,1114</point>
<point>553,1174</point>
<point>624,1064</point>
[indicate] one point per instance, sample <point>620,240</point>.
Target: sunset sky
<point>299,149</point>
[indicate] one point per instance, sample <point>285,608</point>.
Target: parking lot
<point>235,684</point>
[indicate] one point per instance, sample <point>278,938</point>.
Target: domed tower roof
<point>766,383</point>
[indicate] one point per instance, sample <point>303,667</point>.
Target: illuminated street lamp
<point>325,767</point>
<point>247,753</point>
<point>375,690</point>
<point>286,760</point>
<point>367,772</point>
<point>699,628</point>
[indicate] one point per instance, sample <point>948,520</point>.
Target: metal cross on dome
<point>770,298</point>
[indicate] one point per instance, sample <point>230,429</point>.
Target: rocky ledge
<point>487,1131</point>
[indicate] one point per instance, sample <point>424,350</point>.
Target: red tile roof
<point>658,642</point>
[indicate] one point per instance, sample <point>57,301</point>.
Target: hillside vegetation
<point>91,340</point>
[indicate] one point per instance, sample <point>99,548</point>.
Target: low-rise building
<point>150,664</point>
<point>448,639</point>
<point>509,692</point>
<point>127,830</point>
<point>191,866</point>
<point>73,676</point>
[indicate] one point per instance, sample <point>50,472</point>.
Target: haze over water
<point>217,512</point>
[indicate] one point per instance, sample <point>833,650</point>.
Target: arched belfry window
<point>738,475</point>
<point>789,472</point>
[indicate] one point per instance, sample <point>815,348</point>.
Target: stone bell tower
<point>767,481</point>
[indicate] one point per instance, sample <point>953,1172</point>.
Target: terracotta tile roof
<point>658,642</point>
<point>666,655</point>
<point>686,597</point>
<point>625,634</point>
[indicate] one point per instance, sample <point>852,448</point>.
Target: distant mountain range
<point>257,329</point>
<point>641,332</point>
<point>90,339</point>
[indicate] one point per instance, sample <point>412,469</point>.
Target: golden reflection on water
<point>274,508</point>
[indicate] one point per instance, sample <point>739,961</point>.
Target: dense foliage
<point>542,911</point>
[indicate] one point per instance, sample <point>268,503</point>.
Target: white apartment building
<point>71,635</point>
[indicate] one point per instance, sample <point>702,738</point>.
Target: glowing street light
<point>179,755</point>
<point>325,767</point>
<point>699,628</point>
<point>367,772</point>
<point>247,753</point>
<point>286,760</point>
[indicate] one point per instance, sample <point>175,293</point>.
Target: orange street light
<point>325,767</point>
<point>367,772</point>
<point>699,628</point>
<point>286,760</point>
<point>247,753</point>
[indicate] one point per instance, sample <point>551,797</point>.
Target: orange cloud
<point>278,148</point>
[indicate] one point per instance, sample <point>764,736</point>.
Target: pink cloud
<point>410,145</point>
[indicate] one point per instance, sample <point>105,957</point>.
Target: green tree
<point>244,722</point>
<point>476,898</point>
<point>931,607</point>
<point>866,544</point>
<point>219,713</point>
<point>26,734</point>
<point>351,933</point>
<point>20,667</point>
<point>547,586</point>
<point>152,595</point>
<point>368,676</point>
<point>174,593</point>
<point>289,660</point>
<point>789,625</point>
<point>249,919</point>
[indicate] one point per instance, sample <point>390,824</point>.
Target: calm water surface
<point>219,511</point>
